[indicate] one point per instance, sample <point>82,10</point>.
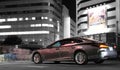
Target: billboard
<point>97,17</point>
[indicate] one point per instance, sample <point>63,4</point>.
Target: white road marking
<point>36,66</point>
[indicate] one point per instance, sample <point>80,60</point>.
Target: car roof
<point>80,38</point>
<point>71,38</point>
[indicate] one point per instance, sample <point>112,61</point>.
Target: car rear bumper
<point>108,53</point>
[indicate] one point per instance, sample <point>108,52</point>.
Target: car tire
<point>99,61</point>
<point>56,62</point>
<point>37,59</point>
<point>81,58</point>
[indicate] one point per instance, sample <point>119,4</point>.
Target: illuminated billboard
<point>97,17</point>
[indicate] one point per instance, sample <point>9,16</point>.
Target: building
<point>98,19</point>
<point>32,20</point>
<point>72,28</point>
<point>69,24</point>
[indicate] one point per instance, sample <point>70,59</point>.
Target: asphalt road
<point>28,65</point>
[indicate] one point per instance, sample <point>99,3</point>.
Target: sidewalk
<point>16,62</point>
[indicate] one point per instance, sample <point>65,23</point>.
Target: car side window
<point>66,43</point>
<point>78,41</point>
<point>57,44</point>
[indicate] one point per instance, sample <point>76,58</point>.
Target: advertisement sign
<point>97,17</point>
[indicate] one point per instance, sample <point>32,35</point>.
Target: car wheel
<point>81,58</point>
<point>99,61</point>
<point>56,62</point>
<point>37,58</point>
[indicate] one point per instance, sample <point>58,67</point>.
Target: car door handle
<point>73,47</point>
<point>57,48</point>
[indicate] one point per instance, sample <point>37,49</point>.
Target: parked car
<point>31,47</point>
<point>77,49</point>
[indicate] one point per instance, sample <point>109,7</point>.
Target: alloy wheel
<point>37,58</point>
<point>81,58</point>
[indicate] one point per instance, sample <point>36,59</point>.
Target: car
<point>31,47</point>
<point>77,49</point>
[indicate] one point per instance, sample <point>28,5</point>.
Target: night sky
<point>71,5</point>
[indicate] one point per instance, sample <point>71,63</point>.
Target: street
<point>28,65</point>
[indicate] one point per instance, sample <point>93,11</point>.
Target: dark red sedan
<point>76,49</point>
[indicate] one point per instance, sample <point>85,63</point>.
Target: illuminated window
<point>47,25</point>
<point>42,25</point>
<point>35,25</point>
<point>33,18</point>
<point>5,26</point>
<point>26,39</point>
<point>50,19</point>
<point>20,19</point>
<point>26,18</point>
<point>46,17</point>
<point>42,17</point>
<point>33,40</point>
<point>2,20</point>
<point>40,39</point>
<point>12,19</point>
<point>24,33</point>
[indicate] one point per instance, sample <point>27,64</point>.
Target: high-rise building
<point>98,19</point>
<point>32,20</point>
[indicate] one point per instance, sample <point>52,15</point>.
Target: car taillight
<point>115,46</point>
<point>103,46</point>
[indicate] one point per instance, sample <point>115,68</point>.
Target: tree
<point>12,40</point>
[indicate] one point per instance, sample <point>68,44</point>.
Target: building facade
<point>98,19</point>
<point>72,28</point>
<point>32,20</point>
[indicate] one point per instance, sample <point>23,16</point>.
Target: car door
<point>66,49</point>
<point>52,51</point>
<point>91,49</point>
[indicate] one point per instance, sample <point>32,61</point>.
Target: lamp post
<point>117,33</point>
<point>117,22</point>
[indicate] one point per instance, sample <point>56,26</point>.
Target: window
<point>58,44</point>
<point>70,41</point>
<point>55,45</point>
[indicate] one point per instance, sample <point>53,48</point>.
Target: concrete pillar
<point>66,27</point>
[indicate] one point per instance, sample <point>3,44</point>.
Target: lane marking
<point>37,66</point>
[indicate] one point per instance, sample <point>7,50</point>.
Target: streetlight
<point>117,33</point>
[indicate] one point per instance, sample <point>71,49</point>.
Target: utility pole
<point>117,23</point>
<point>117,33</point>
